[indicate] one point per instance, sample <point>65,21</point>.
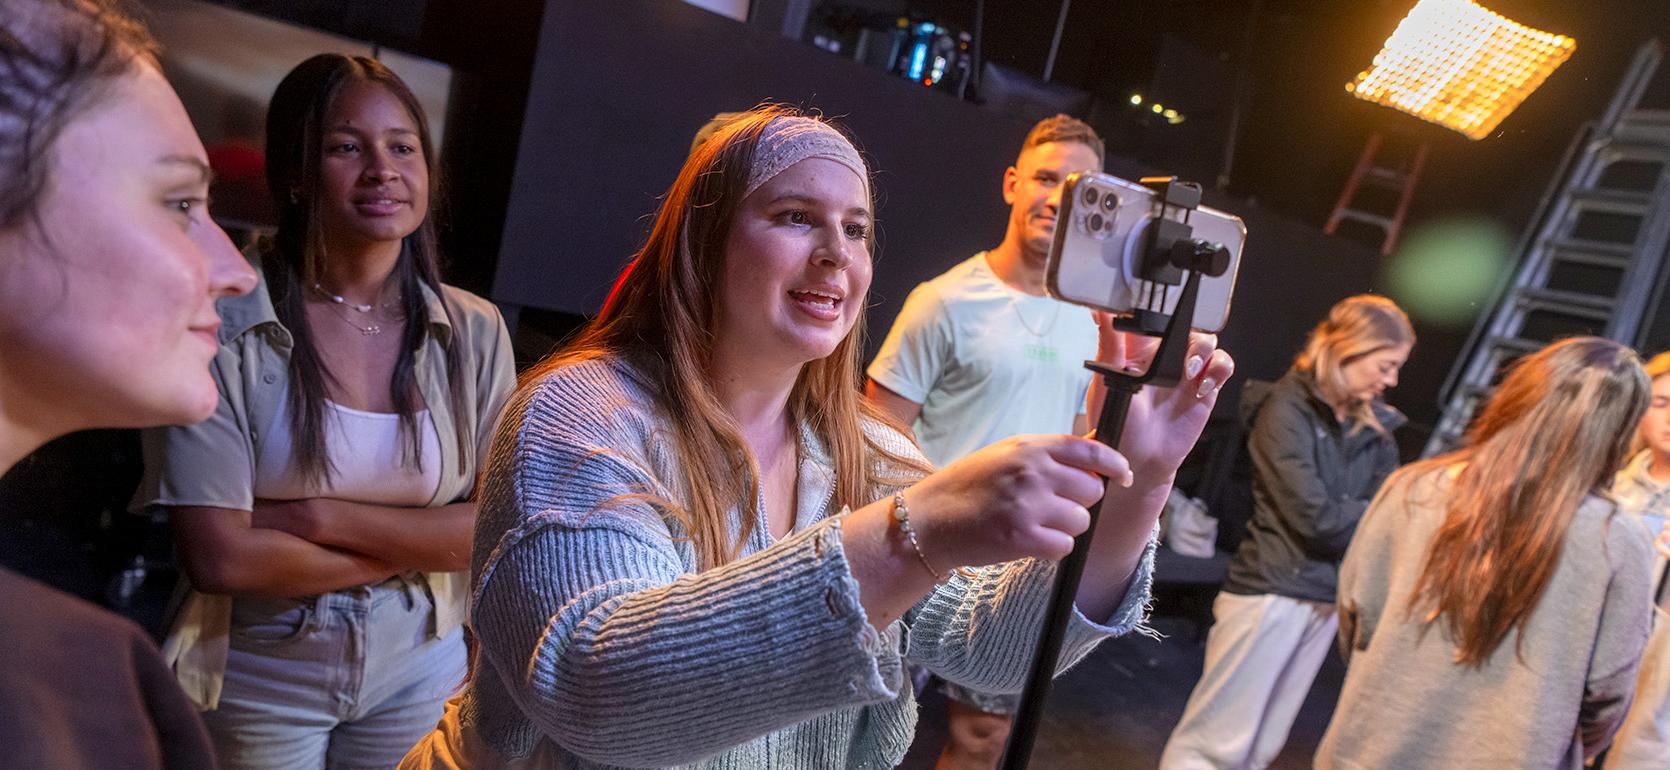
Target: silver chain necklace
<point>366,307</point>
<point>365,330</point>
<point>338,302</point>
<point>1050,326</point>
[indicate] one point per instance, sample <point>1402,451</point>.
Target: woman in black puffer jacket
<point>1320,448</point>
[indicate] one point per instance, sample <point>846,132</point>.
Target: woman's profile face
<point>107,315</point>
<point>1655,424</point>
<point>1369,376</point>
<point>373,176</point>
<point>797,265</point>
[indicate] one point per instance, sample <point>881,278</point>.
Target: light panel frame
<point>1460,65</point>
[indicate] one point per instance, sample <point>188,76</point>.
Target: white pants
<point>1261,656</point>
<point>1643,743</point>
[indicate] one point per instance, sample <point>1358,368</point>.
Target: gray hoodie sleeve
<point>1365,575</point>
<point>1626,619</point>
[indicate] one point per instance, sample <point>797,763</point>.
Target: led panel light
<point>1460,65</point>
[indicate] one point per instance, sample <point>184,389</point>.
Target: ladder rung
<point>1464,404</point>
<point>1592,260</point>
<point>1648,128</point>
<point>1394,178</point>
<point>1650,117</point>
<point>1567,302</point>
<point>1620,201</point>
<point>1635,148</point>
<point>1582,251</point>
<point>1518,345</point>
<point>1384,223</point>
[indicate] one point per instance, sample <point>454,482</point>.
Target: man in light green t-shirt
<point>980,353</point>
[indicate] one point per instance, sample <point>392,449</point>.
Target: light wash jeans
<point>349,679</point>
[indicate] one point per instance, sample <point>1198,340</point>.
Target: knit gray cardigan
<point>603,645</point>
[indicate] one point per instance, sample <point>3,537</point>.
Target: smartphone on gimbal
<point>1102,231</point>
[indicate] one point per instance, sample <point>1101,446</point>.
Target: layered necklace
<point>340,305</point>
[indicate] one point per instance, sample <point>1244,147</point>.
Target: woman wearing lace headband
<point>699,547</point>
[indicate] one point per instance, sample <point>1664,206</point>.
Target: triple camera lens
<point>1097,224</point>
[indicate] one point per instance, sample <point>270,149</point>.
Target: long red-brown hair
<point>661,317</point>
<point>1555,431</point>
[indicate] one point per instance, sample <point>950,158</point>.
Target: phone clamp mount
<point>1171,256</point>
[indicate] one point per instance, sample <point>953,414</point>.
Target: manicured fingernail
<point>1130,478</point>
<point>1192,368</point>
<point>1207,387</point>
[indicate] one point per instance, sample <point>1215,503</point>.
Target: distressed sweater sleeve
<point>616,649</point>
<point>979,630</point>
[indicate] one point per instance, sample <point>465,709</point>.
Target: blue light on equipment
<point>918,60</point>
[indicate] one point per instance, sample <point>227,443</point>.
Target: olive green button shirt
<point>212,463</point>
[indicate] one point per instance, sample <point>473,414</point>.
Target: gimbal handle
<point>1166,370</point>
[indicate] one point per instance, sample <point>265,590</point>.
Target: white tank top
<point>366,448</point>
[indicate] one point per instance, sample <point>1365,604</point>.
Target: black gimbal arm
<point>1171,256</point>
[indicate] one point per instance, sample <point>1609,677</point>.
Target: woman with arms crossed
<point>323,514</point>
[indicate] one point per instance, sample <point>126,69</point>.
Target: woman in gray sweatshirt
<point>697,547</point>
<point>1494,603</point>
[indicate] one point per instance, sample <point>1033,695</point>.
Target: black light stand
<point>1170,254</point>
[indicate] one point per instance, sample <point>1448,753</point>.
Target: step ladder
<point>1591,262</point>
<point>1398,179</point>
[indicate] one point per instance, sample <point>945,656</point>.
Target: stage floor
<point>1115,709</point>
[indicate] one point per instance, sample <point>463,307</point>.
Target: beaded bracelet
<point>901,514</point>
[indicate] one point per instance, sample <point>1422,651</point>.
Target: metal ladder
<point>1591,261</point>
<point>1400,180</point>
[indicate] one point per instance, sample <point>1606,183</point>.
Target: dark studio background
<point>568,118</point>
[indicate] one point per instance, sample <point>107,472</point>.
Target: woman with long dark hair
<point>1320,447</point>
<point>1495,602</point>
<point>700,547</point>
<point>109,270</point>
<point>323,514</point>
